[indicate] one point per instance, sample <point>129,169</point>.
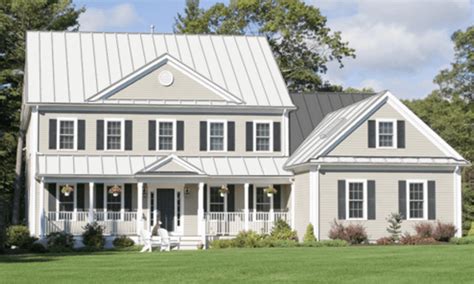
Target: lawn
<point>365,264</point>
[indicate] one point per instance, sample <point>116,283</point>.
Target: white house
<point>191,129</point>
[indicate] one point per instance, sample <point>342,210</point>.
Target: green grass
<point>364,264</point>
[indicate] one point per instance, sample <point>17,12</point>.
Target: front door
<point>165,208</point>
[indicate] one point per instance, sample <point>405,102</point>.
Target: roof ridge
<point>146,33</point>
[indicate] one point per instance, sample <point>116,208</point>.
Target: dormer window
<point>386,133</point>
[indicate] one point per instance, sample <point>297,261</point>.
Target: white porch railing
<point>231,223</point>
<point>115,223</point>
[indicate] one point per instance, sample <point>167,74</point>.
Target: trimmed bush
<point>394,226</point>
<point>19,236</point>
<point>408,239</point>
<point>309,234</point>
<point>352,233</point>
<point>334,243</point>
<point>93,236</point>
<point>282,231</point>
<point>37,248</point>
<point>247,239</point>
<point>385,241</point>
<point>471,230</point>
<point>123,242</point>
<point>443,232</point>
<point>462,241</point>
<point>424,230</point>
<point>221,244</point>
<point>60,242</point>
<point>337,231</point>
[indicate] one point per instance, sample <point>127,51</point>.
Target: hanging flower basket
<point>270,191</point>
<point>115,190</point>
<point>223,190</point>
<point>67,189</point>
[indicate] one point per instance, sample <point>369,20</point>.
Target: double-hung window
<point>114,203</point>
<point>114,134</point>
<point>67,133</point>
<point>263,136</point>
<point>216,201</point>
<point>262,201</point>
<point>356,199</point>
<point>217,133</point>
<point>417,205</point>
<point>386,133</point>
<point>166,135</point>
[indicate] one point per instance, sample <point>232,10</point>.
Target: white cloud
<point>119,16</point>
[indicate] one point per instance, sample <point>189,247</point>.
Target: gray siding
<point>301,203</point>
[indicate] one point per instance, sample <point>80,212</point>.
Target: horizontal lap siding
<point>301,203</point>
<point>386,188</point>
<point>190,211</point>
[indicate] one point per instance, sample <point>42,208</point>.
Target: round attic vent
<point>166,78</point>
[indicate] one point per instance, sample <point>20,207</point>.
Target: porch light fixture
<point>270,190</point>
<point>115,190</point>
<point>67,189</point>
<point>223,190</point>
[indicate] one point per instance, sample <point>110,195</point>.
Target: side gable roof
<point>70,67</point>
<point>338,124</point>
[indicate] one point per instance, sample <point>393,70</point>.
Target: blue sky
<point>400,44</point>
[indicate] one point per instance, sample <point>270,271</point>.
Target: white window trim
<point>74,193</point>
<point>58,133</point>
<point>425,198</point>
<point>208,189</point>
<point>122,199</point>
<point>209,135</point>
<point>122,133</point>
<point>270,123</point>
<point>175,138</point>
<point>364,205</point>
<point>394,140</point>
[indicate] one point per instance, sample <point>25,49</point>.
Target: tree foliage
<point>301,42</point>
<point>394,226</point>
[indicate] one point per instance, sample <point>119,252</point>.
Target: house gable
<point>171,164</point>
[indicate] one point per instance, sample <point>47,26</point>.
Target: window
<point>66,203</point>
<point>114,134</point>
<point>114,203</point>
<point>166,134</point>
<point>263,136</point>
<point>417,205</point>
<point>66,134</point>
<point>216,201</point>
<point>386,133</point>
<point>217,135</point>
<point>356,199</point>
<point>178,208</point>
<point>262,201</point>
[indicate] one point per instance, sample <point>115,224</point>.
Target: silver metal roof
<point>120,165</point>
<point>70,67</point>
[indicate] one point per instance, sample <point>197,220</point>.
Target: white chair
<point>167,242</point>
<point>146,239</point>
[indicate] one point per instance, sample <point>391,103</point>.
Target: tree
<point>355,90</point>
<point>16,17</point>
<point>297,33</point>
<point>459,79</point>
<point>394,226</point>
<point>309,234</point>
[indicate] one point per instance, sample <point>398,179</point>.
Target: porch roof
<point>140,165</point>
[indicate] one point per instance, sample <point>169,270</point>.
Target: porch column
<point>293,203</point>
<point>41,210</point>
<point>91,202</point>
<point>139,208</point>
<point>200,213</point>
<point>246,206</point>
<point>272,212</point>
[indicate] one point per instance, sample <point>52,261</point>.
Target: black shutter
<point>277,197</point>
<point>128,135</point>
<point>52,197</point>
<point>128,197</point>
<point>371,132</point>
<point>276,136</point>
<point>250,196</point>
<point>371,215</point>
<point>249,136</point>
<point>152,135</point>
<point>400,134</point>
<point>203,136</point>
<point>53,125</point>
<point>205,198</point>
<point>80,203</point>
<point>230,136</point>
<point>402,198</point>
<point>231,198</point>
<point>81,134</point>
<point>180,135</point>
<point>431,200</point>
<point>341,199</point>
<point>100,135</point>
<point>99,196</point>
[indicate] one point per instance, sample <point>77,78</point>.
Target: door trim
<point>177,230</point>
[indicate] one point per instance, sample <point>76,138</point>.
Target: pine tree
<point>309,235</point>
<point>395,226</point>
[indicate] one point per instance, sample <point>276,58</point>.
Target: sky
<point>400,45</point>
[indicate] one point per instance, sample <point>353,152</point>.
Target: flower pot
<point>269,194</point>
<point>222,194</point>
<point>67,193</point>
<point>115,194</point>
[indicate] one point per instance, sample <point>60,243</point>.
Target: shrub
<point>93,236</point>
<point>471,230</point>
<point>385,241</point>
<point>394,226</point>
<point>37,248</point>
<point>60,242</point>
<point>221,244</point>
<point>334,243</point>
<point>353,233</point>
<point>123,242</point>
<point>247,239</point>
<point>424,230</point>
<point>443,232</point>
<point>337,231</point>
<point>282,231</point>
<point>309,234</point>
<point>408,239</point>
<point>462,241</point>
<point>19,236</point>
